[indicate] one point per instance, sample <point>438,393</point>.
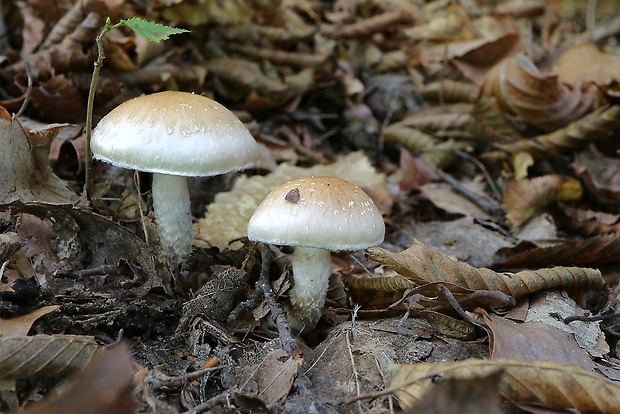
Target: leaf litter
<point>467,144</point>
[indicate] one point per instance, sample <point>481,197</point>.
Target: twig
<point>485,205</point>
<point>455,304</point>
<point>220,398</point>
<point>591,318</point>
<point>289,344</point>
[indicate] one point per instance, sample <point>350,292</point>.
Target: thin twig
<point>455,304</point>
<point>289,344</point>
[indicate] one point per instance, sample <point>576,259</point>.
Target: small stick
<point>289,344</point>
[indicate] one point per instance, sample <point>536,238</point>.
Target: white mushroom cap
<point>176,133</point>
<point>320,212</point>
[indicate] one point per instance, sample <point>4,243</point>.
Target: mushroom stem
<point>172,209</point>
<point>311,270</point>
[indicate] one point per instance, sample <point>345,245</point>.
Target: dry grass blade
<point>550,385</point>
<point>590,128</point>
<point>536,98</point>
<point>423,265</point>
<point>45,355</point>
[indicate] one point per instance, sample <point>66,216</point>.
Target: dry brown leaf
<point>462,396</point>
<point>26,175</point>
<point>364,28</point>
<point>547,384</point>
<point>45,355</point>
<point>104,386</point>
<point>272,378</point>
<point>450,23</point>
<point>601,68</point>
<point>247,74</point>
<point>531,97</point>
<point>601,175</point>
<point>590,128</point>
<point>377,292</point>
<point>585,222</point>
<point>423,265</point>
<point>524,199</point>
<point>597,250</point>
<point>20,325</point>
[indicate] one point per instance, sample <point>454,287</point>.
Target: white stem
<point>311,270</point>
<point>172,209</point>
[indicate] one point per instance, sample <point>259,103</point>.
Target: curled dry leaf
<point>591,127</point>
<point>585,222</point>
<point>597,250</point>
<point>45,355</point>
<point>366,27</point>
<point>531,97</point>
<point>548,384</point>
<point>527,198</point>
<point>423,265</point>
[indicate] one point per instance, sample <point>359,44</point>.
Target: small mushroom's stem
<point>172,209</point>
<point>311,270</point>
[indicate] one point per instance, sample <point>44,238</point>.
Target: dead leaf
<point>531,97</point>
<point>45,355</point>
<point>597,250</point>
<point>26,175</point>
<point>423,265</point>
<point>601,175</point>
<point>547,384</point>
<point>104,386</point>
<point>272,378</point>
<point>590,128</point>
<point>527,198</point>
<point>20,325</point>
<point>601,69</point>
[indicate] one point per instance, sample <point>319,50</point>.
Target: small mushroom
<point>174,135</point>
<point>325,214</point>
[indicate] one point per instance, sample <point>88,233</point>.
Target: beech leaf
<point>152,31</point>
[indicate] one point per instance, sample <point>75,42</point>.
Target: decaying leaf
<point>597,250</point>
<point>271,378</point>
<point>423,265</point>
<point>462,396</point>
<point>531,97</point>
<point>104,386</point>
<point>45,355</point>
<point>545,384</point>
<point>587,130</point>
<point>20,325</point>
<point>601,68</point>
<point>26,175</point>
<point>601,175</point>
<point>527,198</point>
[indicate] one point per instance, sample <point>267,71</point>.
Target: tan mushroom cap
<point>176,133</point>
<point>321,212</point>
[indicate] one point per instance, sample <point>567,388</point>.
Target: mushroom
<point>316,215</point>
<point>174,135</point>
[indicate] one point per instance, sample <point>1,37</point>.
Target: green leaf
<point>150,30</point>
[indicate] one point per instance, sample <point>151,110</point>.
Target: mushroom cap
<point>321,212</point>
<point>176,133</point>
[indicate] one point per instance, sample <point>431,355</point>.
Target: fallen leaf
<point>104,386</point>
<point>546,384</point>
<point>45,355</point>
<point>20,325</point>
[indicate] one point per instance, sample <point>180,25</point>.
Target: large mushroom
<point>316,215</point>
<point>174,135</point>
